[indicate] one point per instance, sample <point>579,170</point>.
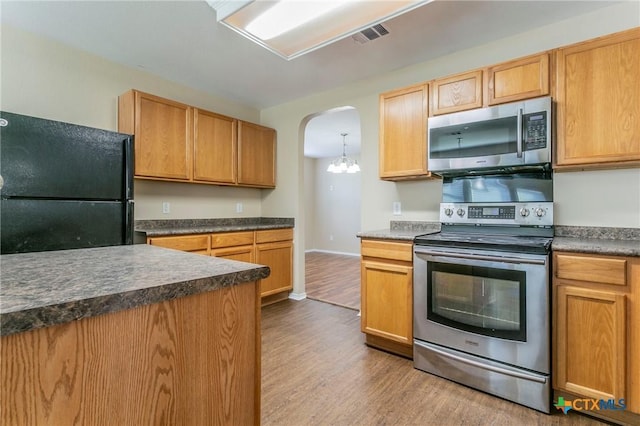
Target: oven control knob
<point>540,212</point>
<point>448,211</point>
<point>461,212</point>
<point>524,212</point>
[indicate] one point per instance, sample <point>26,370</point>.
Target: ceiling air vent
<point>370,34</point>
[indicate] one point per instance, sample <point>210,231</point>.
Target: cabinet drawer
<point>387,250</point>
<point>187,243</point>
<point>605,270</point>
<point>231,239</point>
<point>274,235</point>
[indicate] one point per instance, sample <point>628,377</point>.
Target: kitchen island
<point>129,335</point>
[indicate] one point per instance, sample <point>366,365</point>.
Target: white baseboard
<point>333,252</point>
<point>297,296</point>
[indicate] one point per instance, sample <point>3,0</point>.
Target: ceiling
<point>182,42</point>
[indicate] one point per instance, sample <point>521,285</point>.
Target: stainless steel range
<point>481,286</point>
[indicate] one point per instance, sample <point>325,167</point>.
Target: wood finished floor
<point>333,278</point>
<point>316,370</point>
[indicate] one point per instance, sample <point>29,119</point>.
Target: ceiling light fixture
<point>343,164</point>
<point>286,15</point>
<point>290,28</point>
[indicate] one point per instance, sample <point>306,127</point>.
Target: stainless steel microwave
<point>497,137</point>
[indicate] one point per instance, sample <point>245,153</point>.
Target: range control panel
<point>489,212</point>
<point>521,214</point>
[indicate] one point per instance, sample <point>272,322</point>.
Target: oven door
<point>490,304</point>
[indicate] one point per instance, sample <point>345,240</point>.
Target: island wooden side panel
<point>192,360</point>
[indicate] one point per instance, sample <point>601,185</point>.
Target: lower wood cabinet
<point>387,295</point>
<point>274,248</point>
<point>270,247</point>
<point>193,360</point>
<point>596,334</point>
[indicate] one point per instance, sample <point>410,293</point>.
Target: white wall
<point>334,207</point>
<point>420,200</point>
<point>46,79</point>
<point>309,202</point>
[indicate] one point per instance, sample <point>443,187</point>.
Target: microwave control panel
<point>534,130</point>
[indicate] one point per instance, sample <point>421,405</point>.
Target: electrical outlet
<point>239,207</point>
<point>397,208</point>
<point>166,207</point>
<point>330,237</point>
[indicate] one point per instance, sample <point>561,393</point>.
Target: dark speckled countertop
<point>580,239</point>
<point>597,240</point>
<point>159,228</point>
<point>47,288</point>
<point>402,230</point>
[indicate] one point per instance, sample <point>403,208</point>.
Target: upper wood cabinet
<point>522,78</point>
<point>598,102</point>
<point>456,93</point>
<point>256,155</point>
<point>403,133</point>
<point>511,81</point>
<point>163,135</point>
<point>177,142</point>
<point>214,147</point>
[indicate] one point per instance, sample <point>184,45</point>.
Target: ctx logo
<point>588,404</point>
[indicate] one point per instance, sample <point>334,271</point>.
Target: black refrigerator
<point>64,186</point>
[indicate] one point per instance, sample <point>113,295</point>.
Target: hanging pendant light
<point>343,164</point>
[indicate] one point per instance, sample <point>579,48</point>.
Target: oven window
<point>481,300</point>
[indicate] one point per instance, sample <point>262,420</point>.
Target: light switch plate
<point>397,208</point>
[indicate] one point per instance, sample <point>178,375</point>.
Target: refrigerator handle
<point>129,167</point>
<point>128,222</point>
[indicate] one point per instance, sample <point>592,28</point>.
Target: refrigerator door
<point>42,225</point>
<point>50,159</point>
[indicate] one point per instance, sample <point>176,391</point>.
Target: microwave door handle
<point>519,134</point>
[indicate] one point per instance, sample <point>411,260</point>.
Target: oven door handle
<point>483,257</point>
<point>494,368</point>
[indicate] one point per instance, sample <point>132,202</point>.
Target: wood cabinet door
<point>387,301</point>
<point>163,144</point>
<point>598,101</point>
<point>256,155</point>
<point>456,93</point>
<point>403,133</point>
<point>520,79</point>
<point>279,258</point>
<point>590,342</point>
<point>214,147</point>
